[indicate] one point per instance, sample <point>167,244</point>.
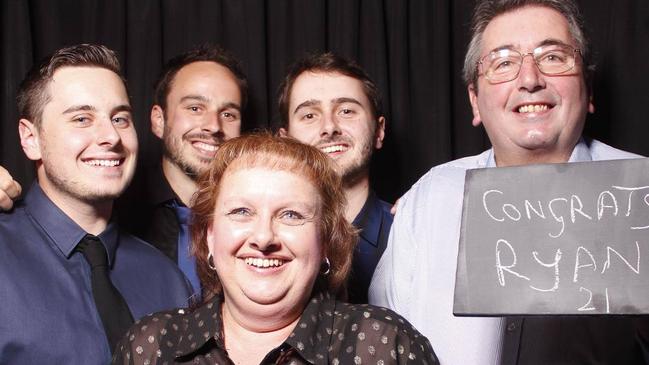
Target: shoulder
<point>439,189</point>
<point>449,174</point>
<point>132,245</point>
<point>381,328</point>
<point>142,344</point>
<point>601,151</point>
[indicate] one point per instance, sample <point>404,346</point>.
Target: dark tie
<point>113,311</point>
<point>186,263</point>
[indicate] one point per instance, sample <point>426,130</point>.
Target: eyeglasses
<point>505,64</point>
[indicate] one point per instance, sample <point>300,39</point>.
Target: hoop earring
<point>325,269</point>
<point>210,261</point>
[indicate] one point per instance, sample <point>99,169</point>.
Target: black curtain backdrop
<point>413,49</point>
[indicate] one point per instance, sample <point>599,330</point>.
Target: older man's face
<point>535,117</point>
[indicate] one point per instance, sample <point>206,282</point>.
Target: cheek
<point>232,129</point>
<point>129,139</point>
<point>304,133</point>
<point>226,238</point>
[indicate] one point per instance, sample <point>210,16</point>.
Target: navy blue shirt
<point>374,221</point>
<point>47,311</point>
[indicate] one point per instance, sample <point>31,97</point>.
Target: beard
<point>356,166</point>
<point>178,151</point>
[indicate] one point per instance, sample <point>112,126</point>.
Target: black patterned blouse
<point>328,332</point>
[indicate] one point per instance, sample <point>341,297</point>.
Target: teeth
<point>331,149</point>
<point>105,163</point>
<point>256,262</point>
<point>205,146</point>
<point>532,108</point>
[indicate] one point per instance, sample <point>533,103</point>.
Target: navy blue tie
<point>186,262</point>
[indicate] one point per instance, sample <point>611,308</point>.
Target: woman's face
<point>265,240</point>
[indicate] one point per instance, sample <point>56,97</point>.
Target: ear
<point>157,121</point>
<point>29,139</point>
<point>380,133</point>
<point>210,237</point>
<point>591,104</point>
<point>282,132</point>
<point>473,98</point>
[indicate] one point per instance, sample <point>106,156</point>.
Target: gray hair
<point>487,10</point>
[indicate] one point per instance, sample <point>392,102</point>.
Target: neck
<point>248,339</point>
<point>92,217</point>
<point>529,157</point>
<point>184,186</point>
<point>356,193</point>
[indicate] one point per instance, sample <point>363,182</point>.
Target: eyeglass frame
<point>480,63</point>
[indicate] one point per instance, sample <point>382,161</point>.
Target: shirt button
<point>511,327</point>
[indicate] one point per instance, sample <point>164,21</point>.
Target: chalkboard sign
<point>555,239</point>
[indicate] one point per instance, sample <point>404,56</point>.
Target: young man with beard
<point>198,104</point>
<point>71,282</point>
<point>330,102</point>
<point>533,110</point>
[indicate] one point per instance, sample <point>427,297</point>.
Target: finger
<point>8,185</point>
<point>5,202</point>
<point>393,210</point>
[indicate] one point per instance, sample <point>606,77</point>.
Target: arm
<point>10,190</point>
<point>391,282</point>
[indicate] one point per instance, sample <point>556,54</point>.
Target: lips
<point>533,108</point>
<point>206,147</point>
<point>111,162</point>
<point>334,148</point>
<point>263,263</point>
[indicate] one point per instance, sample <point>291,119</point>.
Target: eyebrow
<point>343,100</point>
<point>194,98</point>
<point>76,108</point>
<point>205,99</point>
<point>229,105</point>
<point>306,104</point>
<point>121,108</point>
<point>90,108</point>
<point>545,42</point>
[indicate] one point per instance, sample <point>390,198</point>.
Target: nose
<point>106,133</point>
<point>263,236</point>
<point>329,125</point>
<point>530,77</point>
<point>212,123</point>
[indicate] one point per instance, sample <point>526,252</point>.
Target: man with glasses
<point>533,110</point>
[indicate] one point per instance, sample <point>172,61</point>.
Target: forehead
<point>85,85</point>
<point>325,87</point>
<point>242,173</point>
<point>525,29</point>
<point>206,77</point>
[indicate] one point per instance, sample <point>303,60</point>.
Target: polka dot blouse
<point>328,332</point>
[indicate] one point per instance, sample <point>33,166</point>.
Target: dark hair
<point>204,52</point>
<point>33,92</point>
<point>283,154</point>
<point>486,10</point>
<point>328,63</point>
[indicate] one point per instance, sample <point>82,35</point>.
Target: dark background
<point>413,49</point>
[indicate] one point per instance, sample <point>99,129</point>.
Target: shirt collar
<point>61,229</point>
<point>318,314</point>
<point>191,323</point>
<point>581,153</point>
<point>159,190</point>
<point>369,220</point>
<point>317,319</point>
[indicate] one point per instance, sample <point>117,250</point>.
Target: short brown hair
<point>205,52</point>
<point>278,153</point>
<point>486,10</point>
<point>327,63</point>
<point>33,91</point>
